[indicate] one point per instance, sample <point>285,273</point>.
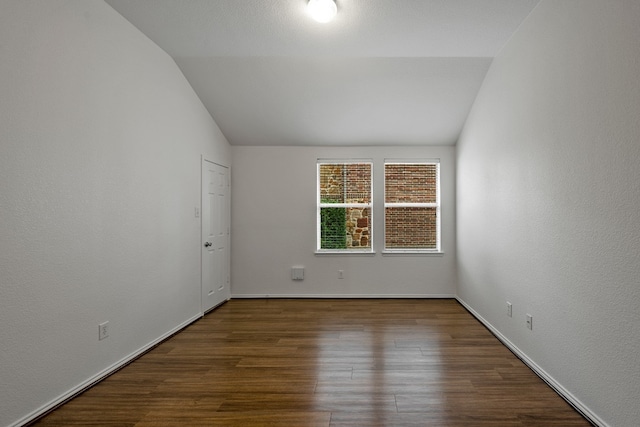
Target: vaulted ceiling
<point>384,72</point>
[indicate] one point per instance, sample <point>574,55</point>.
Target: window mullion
<point>345,205</point>
<point>410,205</point>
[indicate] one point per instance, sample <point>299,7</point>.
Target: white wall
<point>548,200</point>
<point>100,145</point>
<point>274,228</point>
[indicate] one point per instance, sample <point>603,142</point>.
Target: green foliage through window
<point>333,228</point>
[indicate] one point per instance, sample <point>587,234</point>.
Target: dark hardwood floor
<point>325,363</point>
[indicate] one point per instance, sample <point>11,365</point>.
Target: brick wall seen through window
<point>412,206</point>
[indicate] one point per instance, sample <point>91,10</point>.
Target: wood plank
<point>328,363</point>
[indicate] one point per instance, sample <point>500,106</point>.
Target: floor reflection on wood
<point>325,363</point>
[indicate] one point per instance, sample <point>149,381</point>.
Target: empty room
<point>320,213</point>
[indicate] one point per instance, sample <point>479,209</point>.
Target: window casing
<point>344,206</point>
<point>412,206</point>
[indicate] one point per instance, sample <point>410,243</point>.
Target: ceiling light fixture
<point>322,10</point>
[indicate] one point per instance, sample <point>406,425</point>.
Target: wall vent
<point>297,273</point>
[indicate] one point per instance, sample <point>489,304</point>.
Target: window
<point>344,206</point>
<point>412,206</point>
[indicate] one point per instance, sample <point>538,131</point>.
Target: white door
<point>215,235</point>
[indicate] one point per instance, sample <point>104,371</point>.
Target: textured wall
<point>275,230</point>
<point>549,200</point>
<point>100,145</point>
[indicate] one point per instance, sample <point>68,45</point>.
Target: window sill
<point>345,252</point>
<point>411,253</point>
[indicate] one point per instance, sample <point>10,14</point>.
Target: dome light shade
<point>322,10</point>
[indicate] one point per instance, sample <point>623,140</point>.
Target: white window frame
<point>437,205</point>
<point>358,251</point>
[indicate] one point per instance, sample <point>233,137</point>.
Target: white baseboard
<point>563,392</point>
<point>337,296</point>
<point>100,375</point>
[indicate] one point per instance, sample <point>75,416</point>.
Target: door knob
<point>206,245</point>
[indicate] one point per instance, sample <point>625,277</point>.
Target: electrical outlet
<point>340,274</point>
<point>529,322</point>
<point>103,331</point>
<point>509,309</point>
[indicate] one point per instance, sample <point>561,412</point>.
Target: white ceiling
<point>384,72</point>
